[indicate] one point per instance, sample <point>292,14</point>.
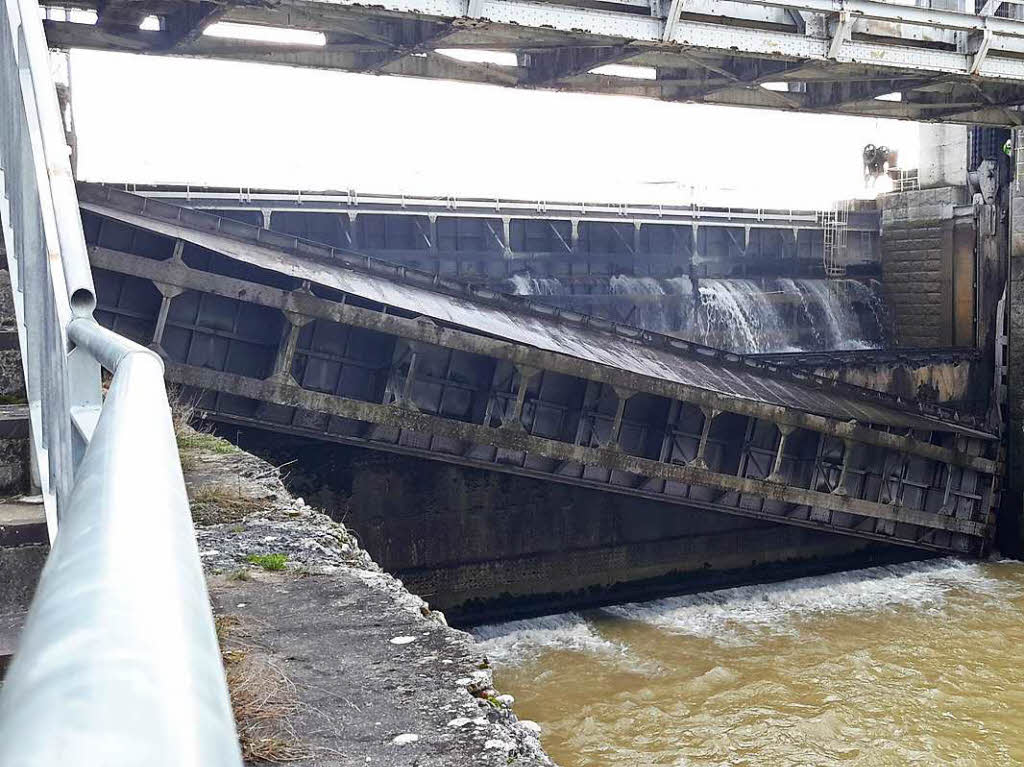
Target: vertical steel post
<point>840,488</point>
<point>167,294</point>
<point>513,420</point>
<point>776,474</point>
<point>623,396</point>
<point>698,461</point>
<point>286,351</point>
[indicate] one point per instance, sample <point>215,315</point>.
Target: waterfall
<point>869,296</point>
<point>739,315</point>
<point>742,315</point>
<point>525,285</point>
<point>646,294</point>
<point>830,318</point>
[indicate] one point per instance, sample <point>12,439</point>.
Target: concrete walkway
<point>330,660</point>
<point>375,683</point>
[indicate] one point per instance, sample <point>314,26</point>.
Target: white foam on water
<point>621,284</point>
<point>518,641</point>
<point>525,285</point>
<point>740,615</point>
<point>737,615</point>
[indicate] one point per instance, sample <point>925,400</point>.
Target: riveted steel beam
<point>305,304</point>
<point>520,440</point>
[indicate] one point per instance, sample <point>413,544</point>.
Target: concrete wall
<point>461,538</point>
<point>964,382</point>
<point>943,155</point>
<point>920,267</point>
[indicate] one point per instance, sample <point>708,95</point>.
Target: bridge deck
<point>864,57</point>
<point>298,337</point>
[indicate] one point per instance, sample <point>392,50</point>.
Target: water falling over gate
<point>743,315</point>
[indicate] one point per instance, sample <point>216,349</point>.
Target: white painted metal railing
<point>118,663</point>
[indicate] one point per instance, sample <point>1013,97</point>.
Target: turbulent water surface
<point>919,664</point>
<point>749,316</point>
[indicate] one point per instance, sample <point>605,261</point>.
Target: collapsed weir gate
<point>279,333</point>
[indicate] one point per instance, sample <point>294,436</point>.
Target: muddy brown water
<point>914,664</point>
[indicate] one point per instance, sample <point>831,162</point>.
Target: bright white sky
<point>146,119</point>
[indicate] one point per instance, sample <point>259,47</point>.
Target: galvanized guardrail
<point>118,663</point>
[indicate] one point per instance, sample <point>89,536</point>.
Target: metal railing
<point>118,663</point>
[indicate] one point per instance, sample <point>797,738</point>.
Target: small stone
<point>459,721</point>
<point>405,739</point>
<point>504,745</point>
<point>530,725</point>
<point>506,700</point>
<point>241,604</point>
<point>402,640</point>
<point>464,681</point>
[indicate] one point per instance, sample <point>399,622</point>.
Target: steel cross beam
<point>507,438</point>
<point>841,40</point>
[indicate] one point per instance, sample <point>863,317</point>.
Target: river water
<point>914,664</point>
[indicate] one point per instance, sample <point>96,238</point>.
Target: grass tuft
<point>268,561</point>
<point>192,442</point>
<point>204,442</point>
<point>263,700</point>
<point>223,504</point>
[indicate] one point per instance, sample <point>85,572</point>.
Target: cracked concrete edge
<point>317,545</point>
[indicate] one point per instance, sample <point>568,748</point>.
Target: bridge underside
<point>861,57</point>
<point>288,335</point>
